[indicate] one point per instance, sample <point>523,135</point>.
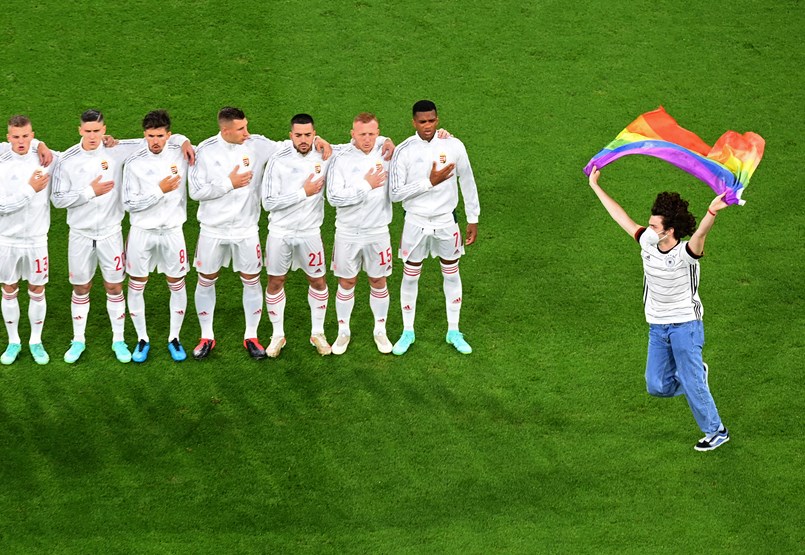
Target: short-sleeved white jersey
<point>409,181</point>
<point>359,208</point>
<point>24,213</point>
<point>95,217</point>
<point>670,283</point>
<point>148,206</point>
<point>223,211</point>
<point>290,210</point>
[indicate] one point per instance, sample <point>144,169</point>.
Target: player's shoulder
<point>284,155</point>
<point>208,144</point>
<point>6,156</point>
<point>71,153</point>
<point>137,158</point>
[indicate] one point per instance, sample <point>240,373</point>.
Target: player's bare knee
<point>35,289</point>
<point>348,283</point>
<point>377,283</point>
<point>317,283</point>
<point>10,288</point>
<point>113,288</point>
<point>82,289</point>
<point>275,284</point>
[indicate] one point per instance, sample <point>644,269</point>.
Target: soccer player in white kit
<point>24,224</point>
<point>426,173</point>
<point>356,187</point>
<point>226,181</point>
<point>674,311</point>
<point>293,194</point>
<point>88,182</point>
<point>155,195</point>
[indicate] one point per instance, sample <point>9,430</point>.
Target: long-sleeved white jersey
<point>290,210</point>
<point>409,181</point>
<point>223,211</point>
<point>24,213</point>
<point>148,206</point>
<point>359,208</point>
<point>96,217</point>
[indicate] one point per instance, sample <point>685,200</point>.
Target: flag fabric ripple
<point>725,167</point>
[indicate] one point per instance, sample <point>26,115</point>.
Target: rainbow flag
<point>725,167</point>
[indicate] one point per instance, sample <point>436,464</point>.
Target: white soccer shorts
<point>163,250</point>
<point>212,254</point>
<point>351,254</point>
<point>418,243</point>
<point>284,254</point>
<point>28,263</point>
<point>84,255</point>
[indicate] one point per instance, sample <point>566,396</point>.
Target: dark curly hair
<point>675,213</point>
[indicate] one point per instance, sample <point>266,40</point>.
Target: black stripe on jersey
<point>6,156</point>
<point>138,154</point>
<point>70,152</point>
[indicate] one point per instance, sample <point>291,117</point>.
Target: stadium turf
<point>541,441</point>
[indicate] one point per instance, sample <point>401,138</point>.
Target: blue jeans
<point>674,367</point>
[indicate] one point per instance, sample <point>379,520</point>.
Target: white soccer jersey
<point>409,181</point>
<point>95,217</point>
<point>291,211</point>
<point>148,206</point>
<point>359,208</point>
<point>670,283</point>
<point>223,211</point>
<point>24,214</point>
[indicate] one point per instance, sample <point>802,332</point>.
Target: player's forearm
<point>615,210</point>
<point>15,203</point>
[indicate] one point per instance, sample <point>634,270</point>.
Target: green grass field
<point>543,440</point>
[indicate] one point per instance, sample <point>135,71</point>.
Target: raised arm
<point>696,243</point>
<point>618,214</point>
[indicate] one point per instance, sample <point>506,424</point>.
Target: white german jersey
<point>670,283</point>
<point>223,211</point>
<point>359,208</point>
<point>290,210</point>
<point>95,217</point>
<point>148,206</point>
<point>24,214</point>
<point>409,181</point>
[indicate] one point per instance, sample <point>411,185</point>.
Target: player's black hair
<point>424,106</point>
<point>157,119</point>
<point>92,116</point>
<point>302,119</point>
<point>228,113</point>
<point>19,121</point>
<point>675,213</point>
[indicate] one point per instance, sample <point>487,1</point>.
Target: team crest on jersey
<point>104,165</point>
<point>379,166</point>
<point>317,168</point>
<point>246,162</point>
<point>669,262</point>
<point>442,158</point>
<point>174,170</point>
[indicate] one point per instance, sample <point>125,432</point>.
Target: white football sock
<point>275,305</point>
<point>344,303</point>
<point>37,308</point>
<point>408,294</point>
<point>178,306</point>
<point>116,308</point>
<point>11,315</point>
<point>379,303</point>
<point>452,294</point>
<point>79,310</point>
<point>205,305</point>
<point>252,305</point>
<point>137,308</point>
<point>317,300</point>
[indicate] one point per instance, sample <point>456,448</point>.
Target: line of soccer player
<point>231,175</point>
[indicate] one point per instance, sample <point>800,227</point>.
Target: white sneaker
<point>273,349</point>
<point>383,343</point>
<point>340,345</point>
<point>320,342</point>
